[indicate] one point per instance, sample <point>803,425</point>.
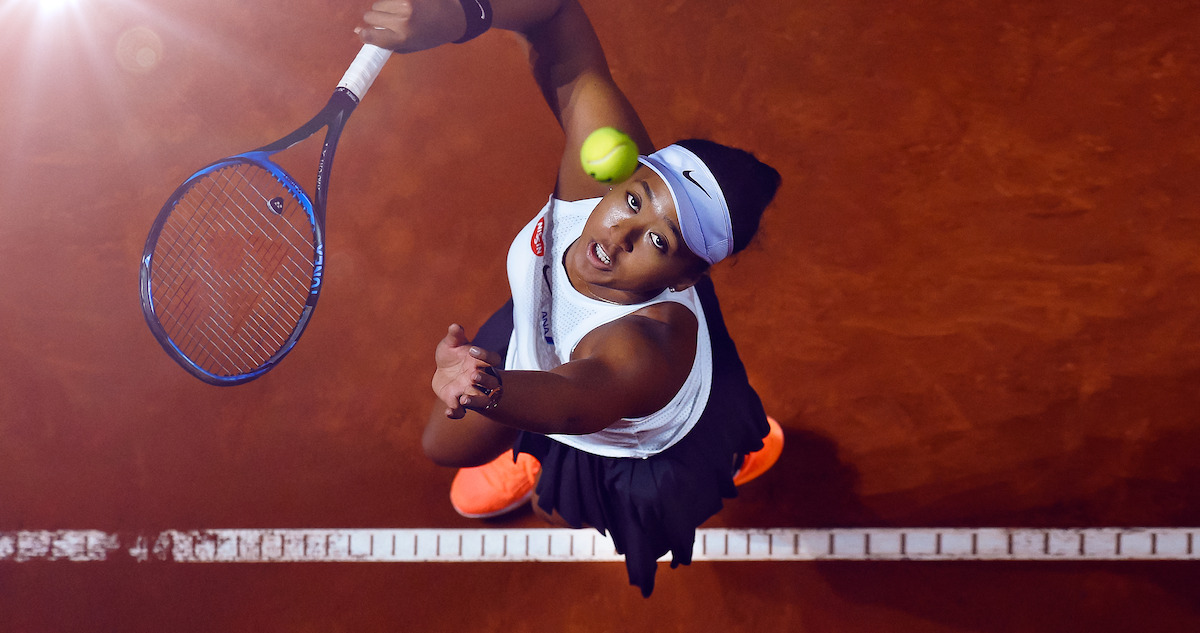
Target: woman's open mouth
<point>603,256</point>
<point>600,254</point>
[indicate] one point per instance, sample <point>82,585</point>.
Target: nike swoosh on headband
<point>482,12</point>
<point>687,173</point>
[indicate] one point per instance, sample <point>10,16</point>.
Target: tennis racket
<point>234,263</point>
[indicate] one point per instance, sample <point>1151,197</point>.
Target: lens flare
<point>139,49</point>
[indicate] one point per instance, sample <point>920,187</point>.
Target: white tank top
<point>550,317</point>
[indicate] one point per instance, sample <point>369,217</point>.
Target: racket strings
<point>219,330</point>
<point>233,268</point>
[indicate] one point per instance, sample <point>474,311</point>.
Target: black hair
<point>748,183</point>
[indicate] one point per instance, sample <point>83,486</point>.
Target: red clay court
<point>975,304</point>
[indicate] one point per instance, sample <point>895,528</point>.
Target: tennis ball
<point>609,155</point>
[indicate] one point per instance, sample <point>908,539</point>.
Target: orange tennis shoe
<point>760,461</point>
<point>495,488</point>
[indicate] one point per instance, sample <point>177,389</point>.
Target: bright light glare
<point>55,6</point>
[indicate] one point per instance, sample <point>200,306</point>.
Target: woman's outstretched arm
<point>566,59</point>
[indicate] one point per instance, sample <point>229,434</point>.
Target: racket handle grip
<point>364,70</point>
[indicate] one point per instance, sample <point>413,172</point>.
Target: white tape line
<point>395,546</point>
<point>78,545</point>
<point>564,545</point>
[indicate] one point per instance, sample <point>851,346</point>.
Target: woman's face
<point>631,247</point>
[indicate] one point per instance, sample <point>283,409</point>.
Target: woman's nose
<point>626,233</point>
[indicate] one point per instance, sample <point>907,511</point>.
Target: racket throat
<point>341,105</point>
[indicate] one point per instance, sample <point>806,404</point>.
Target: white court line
<point>565,545</point>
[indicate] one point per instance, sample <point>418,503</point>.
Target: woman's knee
<point>472,441</point>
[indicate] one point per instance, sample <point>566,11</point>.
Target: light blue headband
<point>699,201</point>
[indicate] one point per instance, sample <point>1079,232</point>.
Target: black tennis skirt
<point>651,506</point>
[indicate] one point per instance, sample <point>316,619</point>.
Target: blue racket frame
<point>333,117</point>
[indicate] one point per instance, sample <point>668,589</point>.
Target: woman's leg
<point>472,441</point>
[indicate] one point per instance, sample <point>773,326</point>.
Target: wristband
<point>479,19</point>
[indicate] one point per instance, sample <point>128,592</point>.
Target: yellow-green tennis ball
<point>609,155</point>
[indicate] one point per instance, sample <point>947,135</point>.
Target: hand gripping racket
<point>234,263</point>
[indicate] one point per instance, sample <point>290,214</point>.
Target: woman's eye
<point>658,242</point>
<point>633,202</point>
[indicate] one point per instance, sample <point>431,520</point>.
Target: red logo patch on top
<point>536,243</point>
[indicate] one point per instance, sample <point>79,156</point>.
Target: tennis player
<point>607,389</point>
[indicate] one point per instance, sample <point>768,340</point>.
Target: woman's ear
<point>690,281</point>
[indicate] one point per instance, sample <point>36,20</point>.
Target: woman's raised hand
<point>406,26</point>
